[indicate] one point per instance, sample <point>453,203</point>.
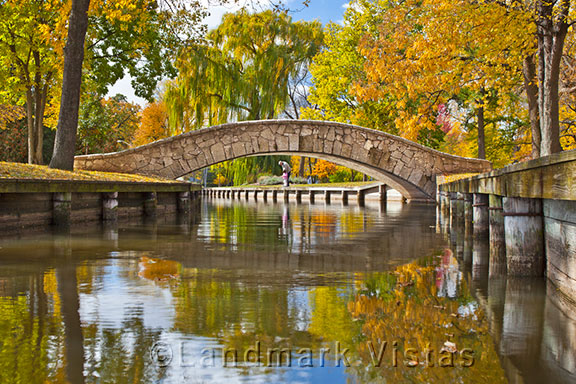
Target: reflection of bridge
<point>405,166</point>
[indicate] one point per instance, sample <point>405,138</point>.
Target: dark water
<point>341,294</point>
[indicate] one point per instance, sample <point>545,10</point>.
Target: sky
<point>322,10</point>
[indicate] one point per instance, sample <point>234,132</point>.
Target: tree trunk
<point>65,142</point>
<point>35,106</point>
<point>302,165</point>
<point>551,37</point>
<point>531,88</point>
<point>32,138</point>
<point>481,133</point>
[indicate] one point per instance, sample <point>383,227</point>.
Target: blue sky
<point>322,10</point>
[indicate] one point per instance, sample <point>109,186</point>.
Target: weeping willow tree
<point>241,72</point>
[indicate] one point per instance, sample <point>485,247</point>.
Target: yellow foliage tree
<point>323,169</point>
<point>153,124</point>
<point>427,53</point>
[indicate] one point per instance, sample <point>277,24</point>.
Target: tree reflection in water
<point>90,307</point>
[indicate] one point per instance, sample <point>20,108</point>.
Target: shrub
<point>298,180</point>
<point>340,176</point>
<point>270,180</point>
<point>220,180</point>
<point>343,174</point>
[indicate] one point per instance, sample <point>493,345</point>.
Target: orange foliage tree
<point>153,124</point>
<point>323,169</point>
<point>432,71</point>
<point>427,53</point>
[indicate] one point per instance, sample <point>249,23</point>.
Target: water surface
<point>341,294</point>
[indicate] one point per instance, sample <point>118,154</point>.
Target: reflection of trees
<point>42,339</point>
<point>237,296</point>
<point>237,312</point>
<point>25,328</point>
<point>302,229</point>
<point>330,318</point>
<point>121,355</point>
<point>405,306</point>
<point>234,224</point>
<point>73,338</point>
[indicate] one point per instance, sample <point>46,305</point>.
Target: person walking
<point>286,171</point>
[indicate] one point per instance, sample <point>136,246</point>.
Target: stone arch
<point>406,166</point>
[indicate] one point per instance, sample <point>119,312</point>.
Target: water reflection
<point>342,293</point>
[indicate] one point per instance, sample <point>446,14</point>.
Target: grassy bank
<point>11,171</point>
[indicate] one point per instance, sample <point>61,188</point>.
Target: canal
<point>273,292</point>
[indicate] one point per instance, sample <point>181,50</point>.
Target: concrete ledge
<point>38,186</point>
<point>551,177</point>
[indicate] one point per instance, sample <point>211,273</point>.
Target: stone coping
<point>39,186</point>
<point>557,158</point>
<point>550,177</point>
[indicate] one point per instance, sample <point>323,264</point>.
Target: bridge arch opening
<point>407,191</point>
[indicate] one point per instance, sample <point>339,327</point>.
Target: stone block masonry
<point>408,167</point>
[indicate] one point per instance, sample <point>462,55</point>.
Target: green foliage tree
<point>340,65</point>
<point>106,124</point>
<point>242,72</point>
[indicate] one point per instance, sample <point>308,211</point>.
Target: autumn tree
<point>106,124</point>
<point>153,124</point>
<point>542,67</point>
<point>136,36</point>
<point>31,40</point>
<point>552,22</point>
<point>427,53</point>
<point>340,65</point>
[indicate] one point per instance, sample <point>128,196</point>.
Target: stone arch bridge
<point>408,167</point>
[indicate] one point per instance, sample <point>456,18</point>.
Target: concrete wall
<point>537,199</point>
<point>46,203</point>
<point>560,243</point>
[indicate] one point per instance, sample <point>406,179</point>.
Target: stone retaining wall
<point>24,203</point>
